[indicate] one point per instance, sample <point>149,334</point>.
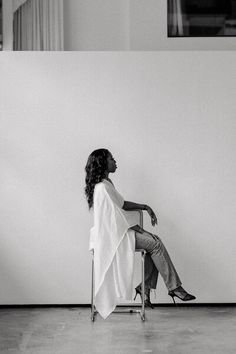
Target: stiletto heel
<point>181,294</point>
<point>136,294</point>
<point>173,298</point>
<point>147,301</point>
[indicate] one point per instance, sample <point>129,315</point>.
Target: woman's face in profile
<point>111,163</point>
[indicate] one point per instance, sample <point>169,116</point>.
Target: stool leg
<point>143,287</point>
<point>93,311</point>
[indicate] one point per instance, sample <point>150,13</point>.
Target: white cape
<point>114,245</point>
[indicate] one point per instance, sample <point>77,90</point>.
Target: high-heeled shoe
<point>181,294</point>
<point>147,301</point>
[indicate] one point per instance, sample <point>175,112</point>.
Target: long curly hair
<point>95,172</point>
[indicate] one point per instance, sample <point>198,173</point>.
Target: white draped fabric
<point>114,245</point>
<point>38,25</point>
<point>175,18</point>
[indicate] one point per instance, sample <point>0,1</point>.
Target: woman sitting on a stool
<point>114,237</point>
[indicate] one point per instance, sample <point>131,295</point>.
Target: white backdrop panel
<point>169,120</point>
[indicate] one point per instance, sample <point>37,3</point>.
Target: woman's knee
<point>157,238</point>
<point>153,242</point>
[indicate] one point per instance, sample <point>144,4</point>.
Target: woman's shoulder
<point>100,185</point>
<point>101,191</point>
<point>104,185</point>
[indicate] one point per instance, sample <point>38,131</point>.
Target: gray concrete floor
<point>169,330</point>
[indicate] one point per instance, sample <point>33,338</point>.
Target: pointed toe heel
<point>181,294</point>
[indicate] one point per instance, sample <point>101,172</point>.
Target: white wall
<point>169,120</point>
<point>96,25</point>
<point>128,24</point>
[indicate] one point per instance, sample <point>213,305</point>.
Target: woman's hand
<point>152,215</point>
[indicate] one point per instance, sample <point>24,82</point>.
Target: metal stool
<point>140,311</point>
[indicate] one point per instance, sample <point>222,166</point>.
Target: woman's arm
<point>129,206</point>
<point>134,206</point>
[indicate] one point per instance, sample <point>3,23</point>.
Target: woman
<point>114,237</point>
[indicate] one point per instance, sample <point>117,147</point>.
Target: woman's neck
<point>107,176</point>
<point>108,179</point>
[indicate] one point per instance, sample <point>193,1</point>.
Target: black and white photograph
<point>201,18</point>
<point>117,183</point>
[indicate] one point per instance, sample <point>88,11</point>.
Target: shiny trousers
<point>157,261</point>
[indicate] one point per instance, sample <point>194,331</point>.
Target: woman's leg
<point>160,257</point>
<point>151,280</point>
<point>151,273</point>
